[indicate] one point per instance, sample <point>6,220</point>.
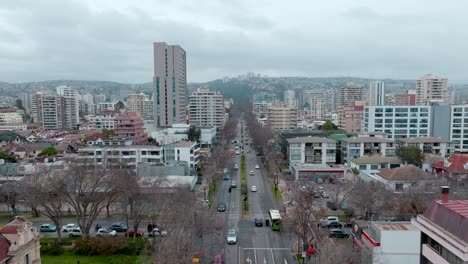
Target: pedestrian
<point>150,227</point>
<point>98,226</point>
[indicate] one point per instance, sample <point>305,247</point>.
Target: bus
<point>275,220</point>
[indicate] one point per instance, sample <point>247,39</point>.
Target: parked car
<point>252,172</point>
<point>118,227</point>
<point>338,233</point>
<point>332,206</point>
<point>316,194</point>
<point>335,225</point>
<point>221,207</point>
<point>329,219</point>
<point>253,188</point>
<point>66,228</point>
<point>258,222</point>
<point>237,152</point>
<point>218,259</point>
<point>106,232</point>
<point>48,228</point>
<point>232,236</point>
<point>133,233</point>
<point>156,232</point>
<point>325,195</point>
<point>74,232</point>
<point>226,177</point>
<point>236,166</point>
<point>233,184</point>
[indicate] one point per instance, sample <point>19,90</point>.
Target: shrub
<point>53,249</point>
<point>106,247</point>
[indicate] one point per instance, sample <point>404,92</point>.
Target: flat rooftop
<point>394,226</point>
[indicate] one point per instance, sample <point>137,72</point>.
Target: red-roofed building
<point>96,139</point>
<point>19,242</point>
<point>454,168</point>
<point>444,231</point>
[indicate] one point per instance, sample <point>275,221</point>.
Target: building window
<point>374,167</point>
<point>362,167</point>
<point>398,186</point>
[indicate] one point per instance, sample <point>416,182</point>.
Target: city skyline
<point>113,41</point>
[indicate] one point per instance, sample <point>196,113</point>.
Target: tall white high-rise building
<point>431,88</point>
<point>376,93</point>
<point>71,100</point>
<point>206,108</point>
<point>89,100</point>
<point>290,99</point>
<point>169,84</point>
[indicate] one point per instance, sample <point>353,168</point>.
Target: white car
<point>106,232</point>
<point>253,188</point>
<point>232,236</point>
<point>158,232</point>
<point>257,166</point>
<point>75,232</point>
<point>236,166</point>
<point>68,227</point>
<point>237,152</point>
<point>252,173</point>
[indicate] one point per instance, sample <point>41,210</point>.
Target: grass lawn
<point>70,258</point>
<point>277,194</point>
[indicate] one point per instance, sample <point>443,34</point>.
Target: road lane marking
<point>255,252</point>
<point>272,257</point>
<point>266,248</point>
<point>248,260</point>
<point>285,262</point>
<point>264,260</point>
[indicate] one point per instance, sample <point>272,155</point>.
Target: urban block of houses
<point>403,178</point>
<point>311,150</point>
<point>19,242</point>
<point>366,144</point>
<point>444,230</point>
<point>437,146</point>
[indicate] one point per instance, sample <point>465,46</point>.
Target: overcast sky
<point>112,39</point>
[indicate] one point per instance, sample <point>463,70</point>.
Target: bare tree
<point>10,194</point>
<point>371,199</point>
<point>301,216</point>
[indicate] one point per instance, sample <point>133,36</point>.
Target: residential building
<point>183,151</point>
<point>50,109</point>
<point>366,144</point>
<point>27,101</point>
<point>70,110</point>
<point>290,99</point>
<point>438,146</point>
<point>130,126</point>
<point>407,98</point>
<point>116,155</point>
<point>351,118</point>
<point>321,173</point>
<point>106,119</point>
<point>206,108</point>
<point>136,103</point>
<point>208,135</point>
<point>89,100</point>
<point>285,134</point>
<point>105,106</point>
<point>374,164</point>
<point>318,105</point>
<point>398,121</point>
<point>169,84</point>
<point>349,94</point>
<point>444,231</point>
<point>311,150</point>
<point>261,102</point>
<point>148,111</point>
<point>19,242</point>
<point>387,242</point>
<point>454,169</point>
<point>431,88</point>
<point>376,93</point>
<point>281,117</point>
<point>175,133</point>
<point>458,127</point>
<point>403,178</point>
<point>10,118</point>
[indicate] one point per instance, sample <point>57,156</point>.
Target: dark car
<point>258,222</point>
<point>133,233</point>
<point>118,228</point>
<point>334,225</point>
<point>226,177</point>
<point>338,233</point>
<point>332,206</point>
<point>221,207</point>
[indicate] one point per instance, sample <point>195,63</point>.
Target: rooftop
<point>376,160</point>
<point>451,216</point>
<point>455,164</point>
<point>366,140</point>
<point>394,226</point>
<point>183,144</point>
<point>406,173</point>
<point>318,167</point>
<point>310,139</point>
<point>424,140</point>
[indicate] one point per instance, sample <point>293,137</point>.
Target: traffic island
<point>244,188</point>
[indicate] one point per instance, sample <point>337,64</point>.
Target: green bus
<point>275,220</point>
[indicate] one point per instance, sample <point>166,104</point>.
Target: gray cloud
<point>112,40</point>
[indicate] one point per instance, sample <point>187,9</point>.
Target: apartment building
<point>115,155</point>
<point>444,231</point>
<point>376,93</point>
<point>50,111</point>
<point>106,119</point>
<point>183,151</point>
<point>206,108</point>
<point>290,98</point>
<point>351,118</point>
<point>136,103</point>
<point>281,117</point>
<point>261,102</point>
<point>169,84</point>
<point>459,127</point>
<point>398,121</point>
<point>349,94</point>
<point>130,126</point>
<point>311,150</point>
<point>439,146</point>
<point>407,98</point>
<point>318,105</point>
<point>366,144</point>
<point>431,88</point>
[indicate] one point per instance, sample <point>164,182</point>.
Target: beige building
<point>10,119</point>
<point>19,243</point>
<point>136,103</point>
<point>349,94</point>
<point>438,146</point>
<point>367,144</point>
<point>281,117</point>
<point>311,150</point>
<point>206,108</point>
<point>431,88</point>
<point>169,84</point>
<point>350,118</point>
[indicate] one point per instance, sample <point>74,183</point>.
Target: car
<point>236,167</point>
<point>338,233</point>
<point>232,236</point>
<point>221,207</point>
<point>325,195</point>
<point>257,166</point>
<point>332,206</point>
<point>156,232</point>
<point>118,227</point>
<point>75,232</point>
<point>106,232</point>
<point>226,171</point>
<point>253,188</point>
<point>47,228</point>
<point>252,173</point>
<point>218,259</point>
<point>258,222</point>
<point>233,184</point>
<point>316,194</point>
<point>335,225</point>
<point>66,228</point>
<point>237,152</point>
<point>133,233</point>
<point>226,177</point>
<point>329,219</point>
